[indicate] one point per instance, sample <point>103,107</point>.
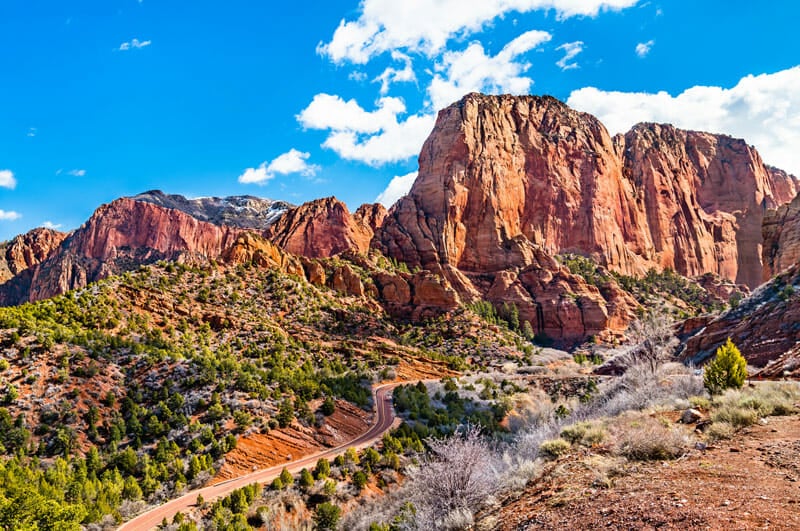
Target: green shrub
<point>727,370</point>
<point>585,433</point>
<point>555,447</point>
<point>327,516</point>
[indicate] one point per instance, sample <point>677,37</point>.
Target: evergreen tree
<point>727,370</point>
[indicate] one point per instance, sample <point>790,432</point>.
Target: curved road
<point>384,419</point>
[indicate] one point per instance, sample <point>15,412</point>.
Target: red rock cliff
<point>119,237</point>
<point>322,228</point>
<point>27,250</point>
<point>500,174</point>
<point>781,234</point>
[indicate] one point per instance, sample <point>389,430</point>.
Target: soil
<point>258,451</point>
<point>749,482</point>
<point>422,369</point>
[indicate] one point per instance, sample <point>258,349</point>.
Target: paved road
<point>384,419</point>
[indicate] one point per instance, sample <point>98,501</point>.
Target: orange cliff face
<point>31,248</point>
<point>507,182</point>
<point>323,228</point>
<point>781,235</point>
<point>118,237</point>
<point>501,173</point>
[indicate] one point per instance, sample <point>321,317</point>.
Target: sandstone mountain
<point>505,184</point>
<point>500,174</point>
<point>118,237</point>
<point>325,227</point>
<point>244,211</point>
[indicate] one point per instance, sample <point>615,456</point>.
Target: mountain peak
<point>242,211</point>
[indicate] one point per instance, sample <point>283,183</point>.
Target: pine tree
<point>727,370</point>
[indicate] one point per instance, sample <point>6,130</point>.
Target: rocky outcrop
<point>249,248</point>
<point>785,186</point>
<point>370,215</point>
<point>120,236</point>
<point>322,228</point>
<point>781,234</point>
<point>242,211</point>
<point>764,326</point>
<point>500,173</point>
<point>29,249</point>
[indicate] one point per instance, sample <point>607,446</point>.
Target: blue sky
<point>295,101</point>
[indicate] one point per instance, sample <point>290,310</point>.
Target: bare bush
<point>643,438</point>
<point>456,478</point>
<point>530,410</point>
<point>653,339</point>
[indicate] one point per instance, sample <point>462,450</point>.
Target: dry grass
<point>719,431</point>
<point>640,437</point>
<point>584,433</point>
<point>555,447</point>
<point>744,408</point>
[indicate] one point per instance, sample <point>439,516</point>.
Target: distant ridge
<point>241,211</point>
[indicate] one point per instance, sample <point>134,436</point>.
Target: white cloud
<point>31,132</point>
<point>7,179</point>
<point>9,215</point>
<point>643,48</point>
<point>293,161</point>
<point>51,225</point>
<point>77,173</point>
<point>762,109</point>
<point>357,75</point>
<point>392,75</point>
<point>395,143</point>
<point>327,111</point>
<point>373,137</point>
<point>425,26</point>
<point>133,44</point>
<point>397,188</point>
<point>571,49</point>
<point>472,70</point>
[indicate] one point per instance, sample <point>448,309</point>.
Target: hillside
<point>151,375</point>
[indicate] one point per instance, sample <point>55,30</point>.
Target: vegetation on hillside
<point>682,296</point>
<point>133,389</point>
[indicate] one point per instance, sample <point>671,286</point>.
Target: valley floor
<point>751,481</point>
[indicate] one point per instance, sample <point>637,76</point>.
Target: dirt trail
<point>383,421</point>
<point>749,482</point>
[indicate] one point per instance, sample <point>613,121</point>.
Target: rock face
<point>781,234</point>
<point>244,211</point>
<point>251,248</point>
<point>323,228</point>
<point>31,248</point>
<point>704,198</point>
<point>507,182</point>
<point>119,237</point>
<point>765,327</point>
<point>501,174</point>
<point>371,215</point>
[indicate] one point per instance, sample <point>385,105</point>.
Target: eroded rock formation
<point>118,237</point>
<point>501,174</point>
<point>322,228</point>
